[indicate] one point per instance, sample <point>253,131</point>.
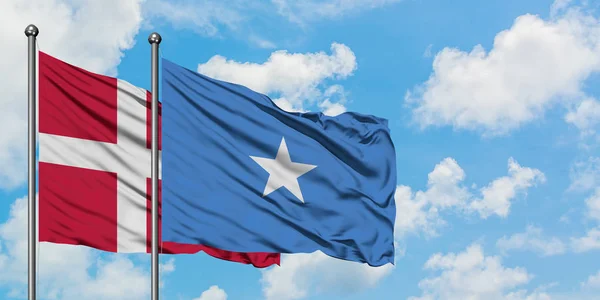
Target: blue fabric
<point>213,189</point>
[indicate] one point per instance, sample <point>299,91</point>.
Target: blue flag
<point>240,174</point>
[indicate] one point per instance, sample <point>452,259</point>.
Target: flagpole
<point>31,32</point>
<point>154,39</point>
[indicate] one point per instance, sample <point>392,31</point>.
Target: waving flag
<point>94,169</point>
<point>243,175</point>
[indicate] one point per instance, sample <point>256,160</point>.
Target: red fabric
<point>78,206</point>
<point>74,207</point>
<point>76,103</point>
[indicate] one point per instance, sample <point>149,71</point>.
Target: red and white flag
<point>94,165</point>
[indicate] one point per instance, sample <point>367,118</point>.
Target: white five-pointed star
<point>283,172</point>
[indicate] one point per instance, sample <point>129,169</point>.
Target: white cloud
<point>585,175</point>
<point>472,275</point>
<point>588,291</point>
<point>532,66</point>
<point>586,116</point>
<point>589,242</point>
<point>427,52</point>
<point>213,17</point>
<point>301,275</point>
<point>332,109</point>
<point>213,293</point>
<point>559,6</point>
<point>420,211</point>
<point>244,18</point>
<point>335,99</point>
<point>286,105</point>
<point>72,31</point>
<point>592,283</point>
<point>167,267</point>
<point>497,195</point>
<point>89,275</point>
<point>532,239</point>
<point>593,205</point>
<point>202,16</point>
<point>524,295</point>
<point>310,10</point>
<point>295,89</point>
<point>261,42</point>
<point>117,278</point>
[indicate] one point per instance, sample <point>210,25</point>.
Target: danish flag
<point>94,165</point>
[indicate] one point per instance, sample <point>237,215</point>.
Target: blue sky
<point>493,110</point>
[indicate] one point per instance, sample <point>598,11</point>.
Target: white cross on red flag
<point>94,165</point>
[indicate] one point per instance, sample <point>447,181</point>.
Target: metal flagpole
<point>31,32</point>
<point>154,39</point>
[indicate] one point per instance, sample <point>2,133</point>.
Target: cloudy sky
<point>493,107</point>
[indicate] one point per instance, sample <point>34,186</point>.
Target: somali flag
<point>240,174</point>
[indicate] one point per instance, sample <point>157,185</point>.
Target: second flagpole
<point>31,32</point>
<point>154,39</point>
